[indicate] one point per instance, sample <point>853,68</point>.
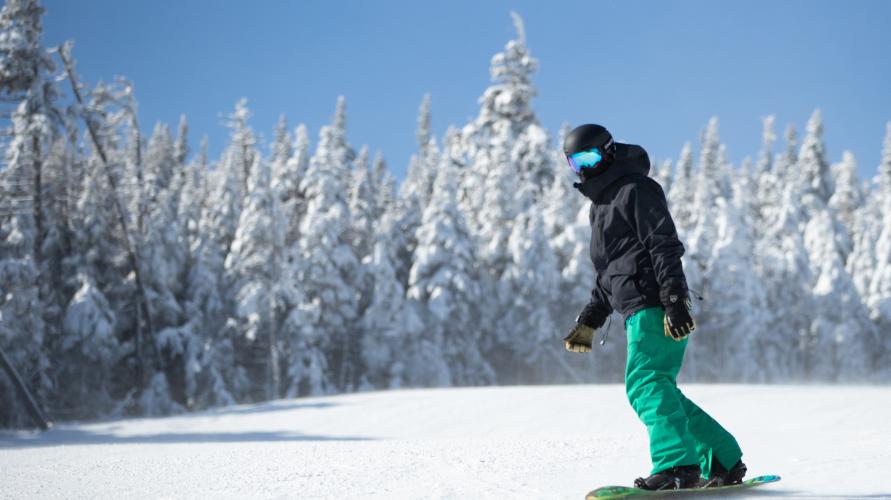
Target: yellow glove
<point>579,339</point>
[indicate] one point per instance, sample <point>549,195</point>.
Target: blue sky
<point>651,71</point>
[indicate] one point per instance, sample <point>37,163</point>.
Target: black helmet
<point>589,149</point>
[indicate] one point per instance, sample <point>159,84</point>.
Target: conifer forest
<point>139,276</point>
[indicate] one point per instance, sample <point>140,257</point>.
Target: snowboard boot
<point>673,478</point>
<point>723,477</point>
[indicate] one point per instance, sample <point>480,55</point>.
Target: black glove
<point>581,338</point>
<point>678,323</point>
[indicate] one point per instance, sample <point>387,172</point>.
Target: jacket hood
<point>630,159</point>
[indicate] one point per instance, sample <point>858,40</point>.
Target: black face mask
<point>586,187</point>
<point>591,183</point>
<point>594,173</point>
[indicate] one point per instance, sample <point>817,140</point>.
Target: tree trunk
<point>30,403</point>
<point>143,309</point>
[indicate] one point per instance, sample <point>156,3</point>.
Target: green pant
<point>680,432</point>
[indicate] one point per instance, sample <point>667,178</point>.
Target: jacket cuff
<point>673,292</point>
<point>592,316</point>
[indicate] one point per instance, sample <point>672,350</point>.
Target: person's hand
<point>678,323</point>
<point>580,339</point>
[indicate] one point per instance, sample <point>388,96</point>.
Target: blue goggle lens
<point>584,159</point>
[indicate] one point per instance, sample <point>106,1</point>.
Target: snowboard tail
<point>609,492</point>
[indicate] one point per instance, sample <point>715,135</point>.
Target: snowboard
<point>608,492</point>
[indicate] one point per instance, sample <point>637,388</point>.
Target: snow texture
<point>548,442</point>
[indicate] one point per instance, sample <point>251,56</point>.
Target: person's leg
<point>713,442</point>
<point>650,383</point>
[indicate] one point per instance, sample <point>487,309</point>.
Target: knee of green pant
<point>643,392</point>
<point>634,393</point>
<point>634,386</point>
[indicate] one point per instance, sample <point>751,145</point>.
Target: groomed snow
<point>467,443</point>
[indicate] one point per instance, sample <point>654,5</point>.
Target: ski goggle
<point>589,158</point>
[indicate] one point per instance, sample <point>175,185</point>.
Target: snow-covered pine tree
<point>390,329</point>
<point>282,178</point>
<point>281,145</point>
<point>767,183</point>
<point>560,206</point>
<point>256,268</point>
<point>787,165</point>
<point>322,357</point>
<point>445,277</point>
<point>295,327</point>
<point>26,83</point>
<point>873,260</point>
<point>744,184</point>
<point>88,354</point>
<point>148,236</point>
<point>847,198</point>
<point>885,165</point>
<point>680,194</point>
<point>707,186</point>
<point>192,344</point>
<point>765,157</point>
<point>526,329</point>
<point>230,182</point>
<point>734,318</point>
<point>421,170</point>
<point>812,168</point>
<point>97,316</point>
<point>508,103</point>
<point>384,187</point>
<point>712,197</point>
<point>181,146</point>
<point>506,120</point>
<point>61,181</point>
<point>417,188</point>
<point>839,328</point>
<point>159,165</point>
<point>661,173</point>
<point>222,379</point>
<point>879,298</point>
<point>212,375</point>
<point>161,245</point>
<point>193,197</point>
<point>499,211</point>
<point>565,218</point>
<point>362,204</point>
<point>178,182</point>
<point>841,337</point>
<point>288,168</point>
<point>785,272</point>
<point>745,192</point>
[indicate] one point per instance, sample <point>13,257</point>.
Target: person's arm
<point>593,316</point>
<point>651,220</point>
<point>597,310</point>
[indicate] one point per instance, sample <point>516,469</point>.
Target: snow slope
<point>494,442</point>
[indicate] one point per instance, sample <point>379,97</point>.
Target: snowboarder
<point>637,255</point>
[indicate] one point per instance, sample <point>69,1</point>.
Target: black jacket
<point>634,244</point>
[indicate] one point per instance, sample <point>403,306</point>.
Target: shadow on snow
<point>76,434</point>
